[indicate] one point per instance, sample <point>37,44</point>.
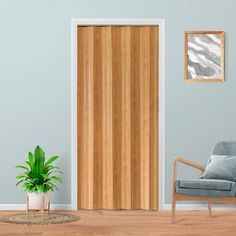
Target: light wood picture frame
<point>204,56</point>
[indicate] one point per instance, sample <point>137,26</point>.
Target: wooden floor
<point>143,223</point>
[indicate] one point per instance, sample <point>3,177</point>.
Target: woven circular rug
<point>38,218</point>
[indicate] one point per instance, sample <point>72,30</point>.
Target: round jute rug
<point>38,218</point>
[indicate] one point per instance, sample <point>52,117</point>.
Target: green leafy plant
<point>39,175</point>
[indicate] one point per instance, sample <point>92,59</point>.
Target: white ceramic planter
<point>36,200</point>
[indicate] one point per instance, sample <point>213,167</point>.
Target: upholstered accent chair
<point>219,189</point>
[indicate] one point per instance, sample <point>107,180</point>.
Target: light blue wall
<point>35,81</point>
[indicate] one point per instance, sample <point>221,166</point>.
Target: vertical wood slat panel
<point>145,117</point>
<point>85,51</point>
<point>154,49</point>
<point>126,118</point>
<point>135,118</point>
<point>107,118</point>
<point>117,117</point>
<point>80,118</point>
<point>117,114</point>
<point>98,118</point>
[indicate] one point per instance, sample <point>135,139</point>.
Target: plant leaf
<point>31,159</point>
<point>55,171</point>
<point>56,178</point>
<point>50,160</point>
<point>39,154</point>
<point>20,177</point>
<point>40,188</point>
<point>19,182</point>
<point>26,187</point>
<point>45,176</point>
<point>39,160</point>
<point>22,167</point>
<point>28,163</point>
<point>53,186</point>
<point>38,175</point>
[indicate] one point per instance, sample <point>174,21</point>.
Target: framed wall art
<point>204,56</point>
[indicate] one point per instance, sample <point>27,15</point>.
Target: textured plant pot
<point>36,200</point>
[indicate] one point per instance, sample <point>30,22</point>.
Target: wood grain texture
<point>135,118</point>
<point>126,118</point>
<point>98,120</point>
<point>107,144</point>
<point>154,113</point>
<point>136,222</point>
<point>117,114</point>
<point>85,51</point>
<point>80,116</point>
<point>117,117</point>
<point>144,117</point>
<point>89,115</point>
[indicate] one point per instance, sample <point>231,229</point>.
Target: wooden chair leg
<point>42,210</point>
<point>173,208</point>
<point>49,210</point>
<point>209,208</point>
<point>27,205</point>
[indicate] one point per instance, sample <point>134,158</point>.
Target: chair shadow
<point>184,221</point>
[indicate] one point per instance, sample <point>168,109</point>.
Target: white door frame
<point>74,24</point>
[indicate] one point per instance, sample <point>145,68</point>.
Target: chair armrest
<point>189,163</point>
<point>186,162</point>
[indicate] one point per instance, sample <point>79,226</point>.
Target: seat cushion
<point>206,187</point>
<point>221,167</point>
<point>210,184</point>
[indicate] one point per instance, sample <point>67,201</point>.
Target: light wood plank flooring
<point>137,222</point>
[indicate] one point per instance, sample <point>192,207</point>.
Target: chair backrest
<point>227,148</point>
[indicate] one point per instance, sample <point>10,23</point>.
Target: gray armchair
<point>205,189</point>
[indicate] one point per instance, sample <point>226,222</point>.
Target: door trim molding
<point>161,131</point>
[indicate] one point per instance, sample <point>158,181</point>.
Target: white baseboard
<point>166,207</point>
<point>199,207</point>
<point>12,207</point>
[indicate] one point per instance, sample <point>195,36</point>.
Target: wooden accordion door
<point>117,117</point>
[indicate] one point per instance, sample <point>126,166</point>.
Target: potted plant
<point>39,177</point>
